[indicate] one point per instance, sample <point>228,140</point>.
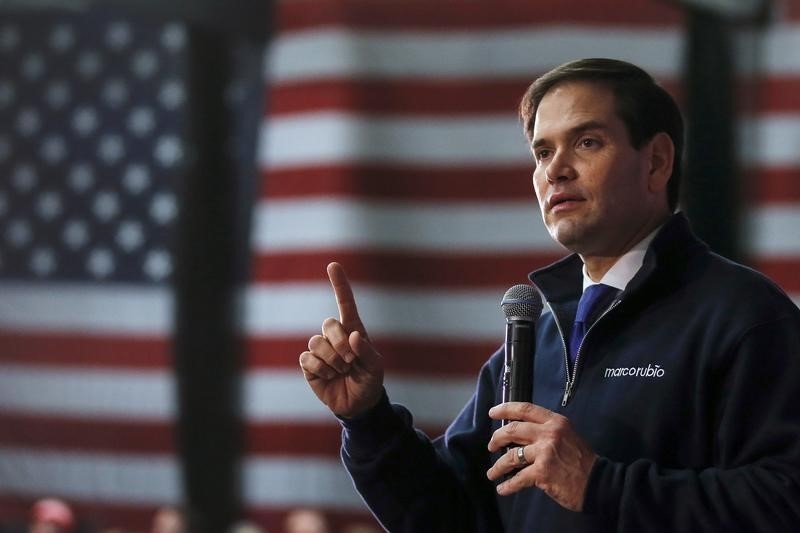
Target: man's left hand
<point>556,459</point>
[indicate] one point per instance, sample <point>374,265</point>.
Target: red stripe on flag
<point>422,269</point>
<point>791,10</point>
<point>770,94</point>
<point>448,97</point>
<point>406,97</point>
<point>402,182</point>
<point>303,439</point>
<point>425,15</point>
<point>782,271</point>
<point>780,94</point>
<point>106,351</point>
<point>39,432</point>
<point>293,439</point>
<point>402,356</point>
<point>775,185</point>
<point>99,435</point>
<point>442,97</point>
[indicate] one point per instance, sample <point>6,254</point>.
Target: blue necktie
<point>595,298</point>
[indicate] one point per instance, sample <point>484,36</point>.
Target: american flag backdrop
<point>390,143</point>
<point>91,144</point>
<point>769,146</point>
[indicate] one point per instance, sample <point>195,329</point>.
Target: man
<point>679,410</point>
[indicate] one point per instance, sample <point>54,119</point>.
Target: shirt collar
<point>626,266</point>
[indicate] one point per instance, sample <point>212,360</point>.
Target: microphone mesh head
<point>522,302</point>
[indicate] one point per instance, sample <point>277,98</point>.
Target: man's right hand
<point>341,366</point>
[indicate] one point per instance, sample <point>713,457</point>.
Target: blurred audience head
<point>168,520</point>
<point>245,526</point>
<point>51,515</point>
<point>306,521</point>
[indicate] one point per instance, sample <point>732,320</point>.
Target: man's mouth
<point>562,201</point>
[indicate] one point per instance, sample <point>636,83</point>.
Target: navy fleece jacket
<point>688,389</point>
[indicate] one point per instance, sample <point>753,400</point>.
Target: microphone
<point>521,306</point>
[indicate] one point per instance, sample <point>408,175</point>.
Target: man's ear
<point>661,153</point>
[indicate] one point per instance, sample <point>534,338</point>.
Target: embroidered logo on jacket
<point>651,371</point>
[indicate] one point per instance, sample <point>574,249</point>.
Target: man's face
<point>592,185</point>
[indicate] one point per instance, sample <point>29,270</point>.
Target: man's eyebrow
<point>575,130</point>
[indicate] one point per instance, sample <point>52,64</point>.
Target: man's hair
<point>642,104</point>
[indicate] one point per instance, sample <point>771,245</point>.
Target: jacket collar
<point>666,258</point>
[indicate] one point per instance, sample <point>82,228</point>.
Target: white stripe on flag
<point>771,140</point>
<point>153,480</point>
<point>86,308</point>
<point>270,395</point>
<point>773,231</point>
<point>335,53</point>
<point>351,224</point>
<point>285,308</point>
<point>123,479</point>
<point>125,394</point>
<point>434,402</point>
<point>299,309</point>
<point>127,479</point>
<point>331,137</point>
<point>288,481</point>
<point>772,52</point>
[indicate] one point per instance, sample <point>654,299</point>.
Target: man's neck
<point>598,265</point>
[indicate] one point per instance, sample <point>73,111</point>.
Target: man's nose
<point>560,168</point>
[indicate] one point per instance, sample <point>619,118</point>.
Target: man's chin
<point>569,236</point>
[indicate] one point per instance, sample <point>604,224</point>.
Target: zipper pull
<point>567,394</point>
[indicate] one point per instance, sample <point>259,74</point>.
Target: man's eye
<point>542,154</point>
<point>588,143</point>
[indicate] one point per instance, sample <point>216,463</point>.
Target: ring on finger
<point>521,456</point>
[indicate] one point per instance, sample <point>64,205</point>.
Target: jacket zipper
<point>568,388</point>
<point>566,359</point>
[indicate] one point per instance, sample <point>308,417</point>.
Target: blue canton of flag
<point>90,143</point>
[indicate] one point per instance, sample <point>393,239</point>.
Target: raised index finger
<point>345,301</point>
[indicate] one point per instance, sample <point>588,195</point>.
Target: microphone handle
<point>518,371</point>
